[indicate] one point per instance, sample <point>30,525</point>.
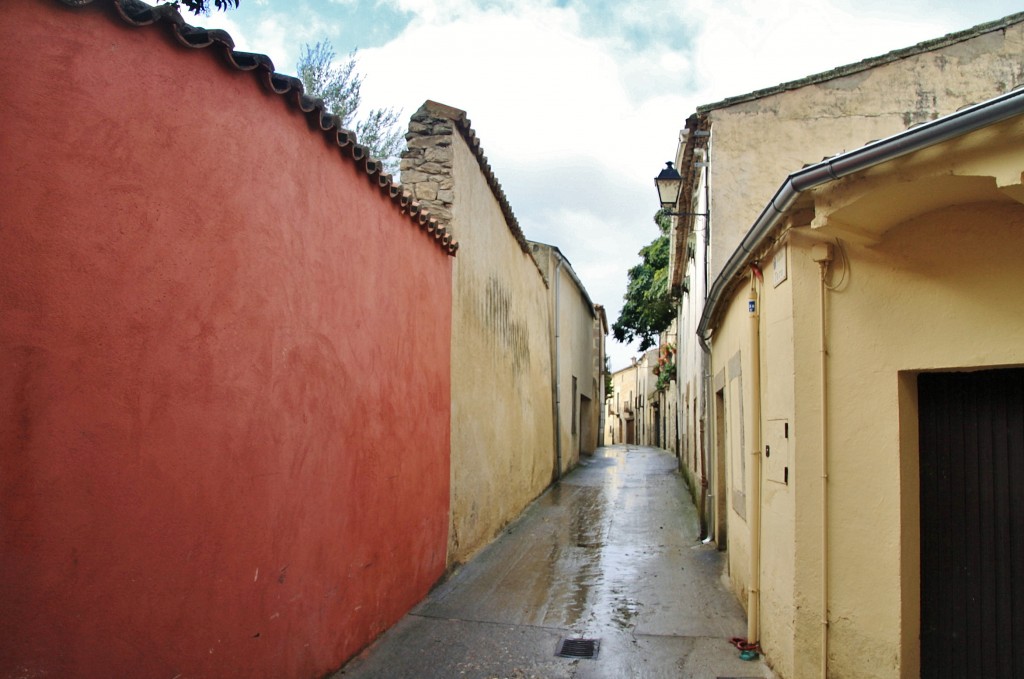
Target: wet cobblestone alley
<point>611,553</point>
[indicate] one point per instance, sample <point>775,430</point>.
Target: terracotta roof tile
<point>220,43</point>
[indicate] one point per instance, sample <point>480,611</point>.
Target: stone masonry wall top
<point>427,164</point>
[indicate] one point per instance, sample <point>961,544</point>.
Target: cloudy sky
<point>578,103</point>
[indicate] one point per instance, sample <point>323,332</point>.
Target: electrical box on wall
<point>776,451</point>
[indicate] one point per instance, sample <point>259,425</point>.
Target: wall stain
<point>510,333</point>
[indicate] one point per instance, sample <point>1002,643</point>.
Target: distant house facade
<point>750,356</point>
<point>664,397</point>
<point>224,362</point>
<point>621,407</point>
<point>633,408</point>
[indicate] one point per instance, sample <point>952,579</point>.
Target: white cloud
<point>579,102</point>
<point>557,116</point>
<point>530,74</point>
<point>748,45</point>
<point>442,12</point>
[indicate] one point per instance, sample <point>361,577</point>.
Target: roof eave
<point>909,141</point>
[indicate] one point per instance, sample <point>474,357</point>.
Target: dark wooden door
<point>972,524</point>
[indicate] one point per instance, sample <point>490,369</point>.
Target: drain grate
<point>578,648</point>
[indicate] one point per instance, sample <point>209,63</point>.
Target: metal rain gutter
<point>916,138</point>
<point>572,273</point>
<point>557,374</point>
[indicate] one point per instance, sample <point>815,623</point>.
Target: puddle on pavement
<point>574,567</point>
<point>590,571</point>
<point>592,554</point>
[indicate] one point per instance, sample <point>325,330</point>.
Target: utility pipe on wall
<point>822,254</point>
<point>705,531</point>
<point>705,356</point>
<point>754,590</point>
<point>557,371</point>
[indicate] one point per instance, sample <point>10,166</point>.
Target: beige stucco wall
<point>579,406</point>
<point>911,307</point>
<point>757,143</point>
<point>729,420</point>
<point>935,287</point>
<point>779,598</point>
<point>502,430</point>
<point>502,433</point>
<point>579,362</point>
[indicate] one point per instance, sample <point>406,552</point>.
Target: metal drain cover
<point>578,648</point>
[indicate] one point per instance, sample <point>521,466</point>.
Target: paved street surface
<point>611,553</point>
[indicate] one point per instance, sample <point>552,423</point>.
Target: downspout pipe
<point>754,589</point>
<point>922,136</point>
<point>705,359</point>
<point>823,256</point>
<point>556,355</point>
<point>557,372</point>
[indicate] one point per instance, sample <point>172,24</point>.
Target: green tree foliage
<point>648,308</point>
<point>203,6</point>
<point>340,85</point>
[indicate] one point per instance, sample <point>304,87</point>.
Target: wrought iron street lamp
<point>669,183</point>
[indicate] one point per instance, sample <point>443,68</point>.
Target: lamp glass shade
<point>669,183</point>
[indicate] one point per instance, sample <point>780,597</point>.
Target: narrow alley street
<point>611,553</point>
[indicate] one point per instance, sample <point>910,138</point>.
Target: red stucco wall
<point>224,370</point>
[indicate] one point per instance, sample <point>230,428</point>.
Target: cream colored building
<point>767,512</point>
<point>508,370</point>
<point>633,407</point>
<point>622,406</point>
<point>646,379</point>
<point>577,332</point>
<point>732,151</point>
<point>881,280</point>
<point>664,397</point>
